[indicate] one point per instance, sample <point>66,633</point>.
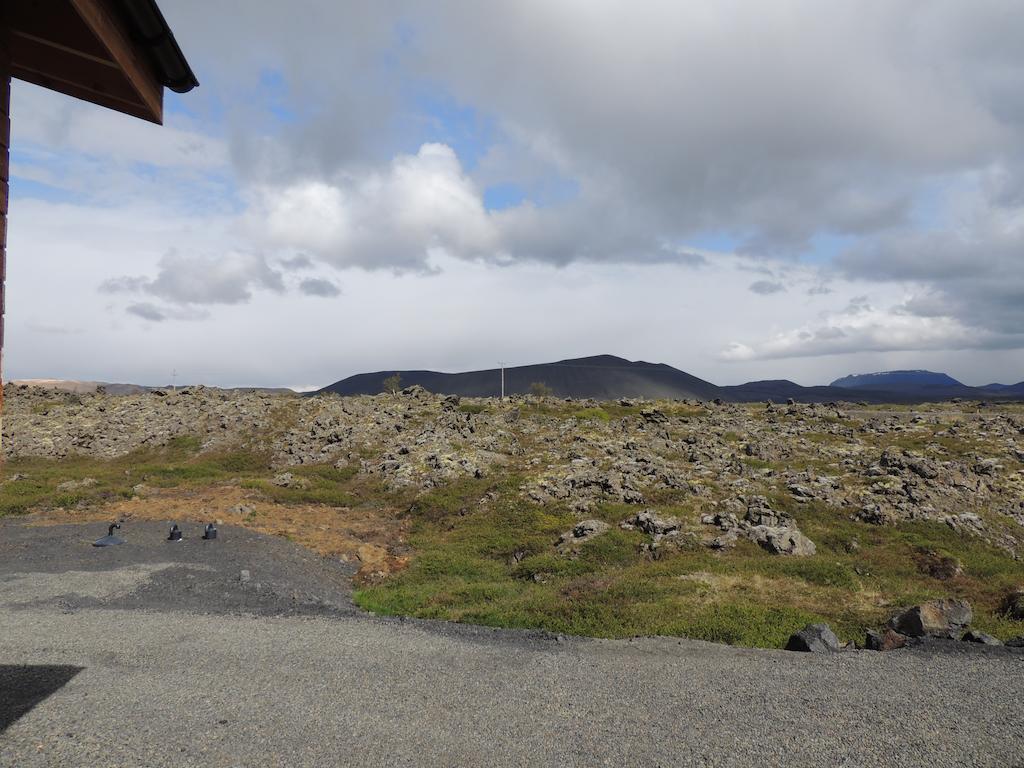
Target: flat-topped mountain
<point>898,381</point>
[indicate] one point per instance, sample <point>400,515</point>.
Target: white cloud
<point>224,278</point>
<point>50,119</point>
<point>863,328</point>
<point>394,218</point>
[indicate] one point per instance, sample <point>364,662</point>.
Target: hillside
<point>1016,390</point>
<point>602,376</point>
<point>607,377</point>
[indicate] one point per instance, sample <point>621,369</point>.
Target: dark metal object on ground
<point>211,532</point>
<point>175,534</point>
<point>110,539</point>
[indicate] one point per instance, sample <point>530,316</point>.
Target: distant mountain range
<point>925,383</point>
<point>88,387</point>
<point>607,377</point>
<point>80,387</point>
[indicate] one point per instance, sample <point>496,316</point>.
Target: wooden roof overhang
<point>119,54</point>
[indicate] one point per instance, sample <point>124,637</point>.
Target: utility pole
<point>502,364</point>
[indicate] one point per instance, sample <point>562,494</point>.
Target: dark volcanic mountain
<point>898,381</point>
<point>606,377</point>
<point>1015,390</point>
<point>602,377</point>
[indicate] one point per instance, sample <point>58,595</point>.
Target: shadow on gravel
<point>24,686</point>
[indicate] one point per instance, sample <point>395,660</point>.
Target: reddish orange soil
<point>373,537</point>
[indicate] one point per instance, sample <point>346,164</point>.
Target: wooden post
<point>5,164</point>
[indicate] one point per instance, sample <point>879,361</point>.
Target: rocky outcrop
<point>649,521</point>
<point>979,638</point>
<point>944,618</point>
<point>884,640</point>
<point>288,480</point>
<point>776,532</point>
<point>814,638</point>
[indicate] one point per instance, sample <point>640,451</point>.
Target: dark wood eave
<point>119,54</point>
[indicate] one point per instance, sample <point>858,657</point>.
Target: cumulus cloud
<point>424,206</point>
<point>974,273</point>
<point>803,144</point>
<point>393,218</point>
<point>228,278</point>
<point>861,327</point>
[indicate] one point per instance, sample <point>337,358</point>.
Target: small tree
<point>540,389</point>
<point>393,383</point>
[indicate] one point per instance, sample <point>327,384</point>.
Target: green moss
<point>43,408</point>
<point>594,414</point>
<point>496,564</point>
<point>179,463</point>
<point>321,484</point>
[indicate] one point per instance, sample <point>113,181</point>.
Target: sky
<point>743,189</point>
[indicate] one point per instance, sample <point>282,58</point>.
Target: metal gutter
<point>150,29</point>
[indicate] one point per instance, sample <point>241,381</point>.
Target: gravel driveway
<point>159,654</point>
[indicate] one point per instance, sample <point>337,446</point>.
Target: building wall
<point>5,164</point>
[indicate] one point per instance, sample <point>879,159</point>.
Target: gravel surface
<point>97,669</point>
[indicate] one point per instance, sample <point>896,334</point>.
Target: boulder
<point>814,638</point>
<point>650,522</point>
<point>937,618</point>
<point>981,638</point>
<point>801,492</point>
<point>288,480</point>
<point>923,468</point>
<point>653,416</point>
<point>725,541</point>
<point>886,640</point>
<point>783,541</point>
